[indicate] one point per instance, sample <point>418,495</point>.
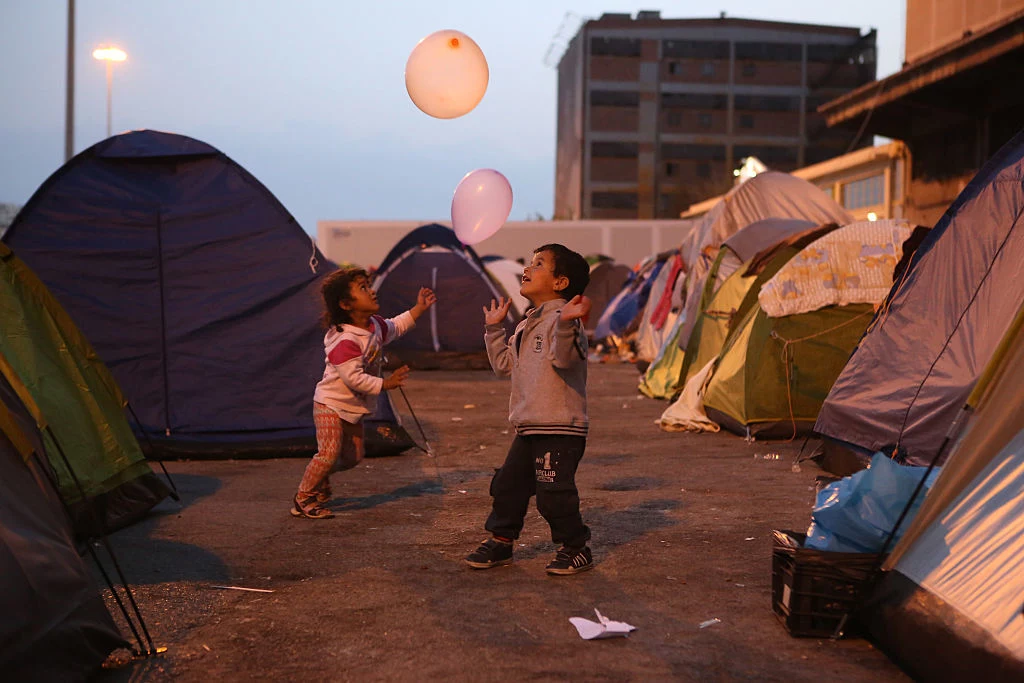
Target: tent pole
<point>150,648</point>
<point>428,450</point>
<point>175,495</point>
<point>92,552</point>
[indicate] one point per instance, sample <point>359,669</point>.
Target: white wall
<point>368,242</point>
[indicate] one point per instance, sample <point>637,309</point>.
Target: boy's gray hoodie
<point>547,360</point>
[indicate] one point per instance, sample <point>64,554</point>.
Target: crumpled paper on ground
<point>603,628</point>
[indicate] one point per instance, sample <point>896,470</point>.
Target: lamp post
<point>109,55</point>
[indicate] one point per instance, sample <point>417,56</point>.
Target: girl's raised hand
<point>426,298</point>
<point>497,311</point>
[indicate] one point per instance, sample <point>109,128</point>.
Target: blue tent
<point>940,324</point>
<point>450,335</point>
<point>194,284</point>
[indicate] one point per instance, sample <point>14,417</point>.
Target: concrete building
<point>654,114</point>
<point>955,102</point>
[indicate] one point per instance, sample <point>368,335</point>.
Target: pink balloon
<point>481,205</point>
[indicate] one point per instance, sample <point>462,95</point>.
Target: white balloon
<point>446,74</point>
<point>481,205</point>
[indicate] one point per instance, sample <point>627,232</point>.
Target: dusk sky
<point>310,97</point>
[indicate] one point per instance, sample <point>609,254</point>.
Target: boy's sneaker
<point>491,553</point>
<point>570,561</point>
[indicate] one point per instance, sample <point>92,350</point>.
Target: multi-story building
<point>655,114</point>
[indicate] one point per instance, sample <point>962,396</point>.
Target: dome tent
<point>451,334</point>
<point>55,625</point>
<point>76,405</point>
<point>782,357</point>
<point>940,324</point>
<point>955,576</point>
<point>194,284</point>
<point>721,311</point>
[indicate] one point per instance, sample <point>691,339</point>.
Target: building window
<point>864,192</point>
<point>703,170</point>
<point>670,169</point>
<point>694,100</point>
<point>695,49</point>
<point>766,103</point>
<point>746,121</point>
<point>770,52</point>
<point>674,68</point>
<point>707,152</point>
<point>613,150</point>
<point>707,69</point>
<point>615,47</point>
<point>614,98</point>
<point>675,118</point>
<point>704,119</point>
<point>614,200</point>
<point>827,189</point>
<point>749,70</point>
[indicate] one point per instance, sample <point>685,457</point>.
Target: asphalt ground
<point>681,537</point>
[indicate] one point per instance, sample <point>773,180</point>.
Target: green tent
<point>75,403</point>
<point>55,626</point>
<point>722,308</point>
<point>799,320</point>
<point>661,379</point>
<point>774,373</point>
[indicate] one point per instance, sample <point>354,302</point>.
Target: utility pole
<point>69,105</point>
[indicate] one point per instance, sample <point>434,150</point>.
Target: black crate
<point>812,590</point>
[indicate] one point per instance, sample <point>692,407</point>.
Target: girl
<point>352,379</point>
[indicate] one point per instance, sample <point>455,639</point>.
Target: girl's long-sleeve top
<point>354,360</point>
<point>547,360</point>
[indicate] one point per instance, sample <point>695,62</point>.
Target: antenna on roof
<point>566,31</point>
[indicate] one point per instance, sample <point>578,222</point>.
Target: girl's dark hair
<point>337,287</point>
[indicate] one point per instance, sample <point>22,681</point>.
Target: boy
<point>547,360</point>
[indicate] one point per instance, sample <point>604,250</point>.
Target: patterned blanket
<point>853,264</point>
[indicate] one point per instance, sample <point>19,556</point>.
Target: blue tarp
<point>628,303</point>
<point>857,513</point>
<point>194,284</point>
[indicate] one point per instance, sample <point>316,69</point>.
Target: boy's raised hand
<point>497,312</point>
<point>575,309</point>
<point>397,378</point>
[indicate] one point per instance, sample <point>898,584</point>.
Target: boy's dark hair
<point>571,265</point>
<point>336,288</point>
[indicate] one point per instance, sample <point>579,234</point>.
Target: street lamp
<point>109,55</point>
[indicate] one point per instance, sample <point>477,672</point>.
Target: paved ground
<point>681,529</point>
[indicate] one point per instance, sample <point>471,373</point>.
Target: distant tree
<point>535,216</point>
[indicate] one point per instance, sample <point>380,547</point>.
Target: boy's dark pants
<point>544,466</point>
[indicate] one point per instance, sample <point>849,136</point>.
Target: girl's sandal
<point>310,509</point>
<point>324,495</point>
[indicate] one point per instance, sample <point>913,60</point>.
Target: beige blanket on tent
<point>687,414</point>
<point>848,266</point>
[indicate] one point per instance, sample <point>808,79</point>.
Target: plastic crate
<point>812,590</point>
